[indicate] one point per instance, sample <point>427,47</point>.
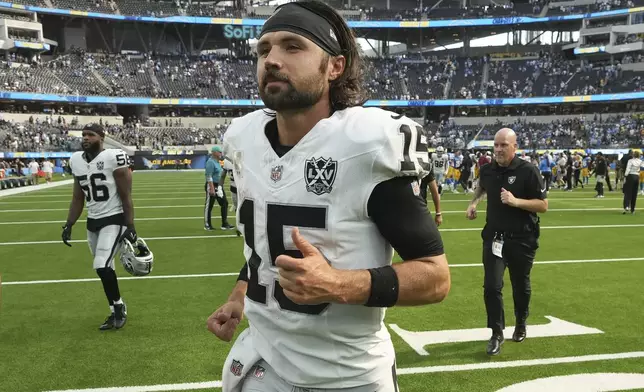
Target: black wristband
<point>384,287</point>
<point>243,274</point>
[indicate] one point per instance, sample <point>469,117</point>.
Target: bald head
<point>506,134</point>
<point>505,146</point>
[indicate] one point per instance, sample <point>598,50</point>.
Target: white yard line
<point>201,206</point>
<point>67,198</point>
<point>216,275</point>
<point>194,237</point>
<point>401,371</point>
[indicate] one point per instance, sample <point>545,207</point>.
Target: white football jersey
<point>322,186</point>
<point>440,163</point>
<point>47,167</point>
<point>97,181</point>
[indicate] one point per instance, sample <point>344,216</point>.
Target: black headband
<point>299,20</point>
<point>96,128</point>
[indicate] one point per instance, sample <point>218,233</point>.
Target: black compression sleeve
<point>403,219</point>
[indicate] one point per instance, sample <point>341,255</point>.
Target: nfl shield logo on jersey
<point>319,174</point>
<point>236,368</point>
<point>511,179</point>
<point>276,173</point>
<point>415,186</point>
<point>100,165</point>
<point>259,372</point>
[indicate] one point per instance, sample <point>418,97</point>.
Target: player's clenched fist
<point>309,280</point>
<point>226,319</point>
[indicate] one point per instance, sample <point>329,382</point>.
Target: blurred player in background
<point>440,164</point>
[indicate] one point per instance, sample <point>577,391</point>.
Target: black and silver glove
<point>67,234</point>
<point>130,234</point>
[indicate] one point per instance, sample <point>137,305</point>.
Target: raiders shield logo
<point>236,368</point>
<point>319,175</point>
<point>276,173</point>
<point>511,179</point>
<point>100,165</point>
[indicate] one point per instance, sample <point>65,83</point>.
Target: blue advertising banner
<point>508,20</point>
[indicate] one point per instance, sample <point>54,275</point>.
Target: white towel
<point>241,358</point>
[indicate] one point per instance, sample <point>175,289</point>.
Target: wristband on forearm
<point>384,287</point>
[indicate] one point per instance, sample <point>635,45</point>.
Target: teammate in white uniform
<point>103,180</point>
<point>327,190</point>
<point>440,162</point>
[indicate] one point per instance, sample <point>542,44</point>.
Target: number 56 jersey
<point>322,186</point>
<point>97,181</point>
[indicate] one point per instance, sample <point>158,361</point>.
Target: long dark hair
<point>347,90</point>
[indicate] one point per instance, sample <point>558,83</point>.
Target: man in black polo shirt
<point>515,193</point>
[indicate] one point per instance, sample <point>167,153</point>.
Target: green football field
<point>586,303</point>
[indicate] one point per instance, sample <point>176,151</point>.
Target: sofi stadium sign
<point>242,32</point>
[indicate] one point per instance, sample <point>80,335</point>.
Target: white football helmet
<point>137,258</point>
<point>440,150</point>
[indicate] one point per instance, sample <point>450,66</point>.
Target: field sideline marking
<point>201,206</point>
<point>33,188</point>
<point>217,275</point>
<point>401,371</point>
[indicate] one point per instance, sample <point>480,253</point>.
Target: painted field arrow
<point>556,327</point>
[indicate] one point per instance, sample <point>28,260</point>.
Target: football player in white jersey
<point>103,180</point>
<point>327,191</point>
<point>440,162</point>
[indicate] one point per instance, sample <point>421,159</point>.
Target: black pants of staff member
<point>568,177</point>
<point>577,175</point>
<point>547,178</point>
<point>210,202</point>
<point>610,187</point>
<point>631,185</point>
<point>463,180</point>
<point>518,257</point>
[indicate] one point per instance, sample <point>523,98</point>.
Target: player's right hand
<point>471,212</point>
<point>226,319</point>
<point>67,234</point>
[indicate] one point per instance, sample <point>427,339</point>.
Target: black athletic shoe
<point>120,315</point>
<point>208,228</point>
<point>227,226</point>
<point>108,323</point>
